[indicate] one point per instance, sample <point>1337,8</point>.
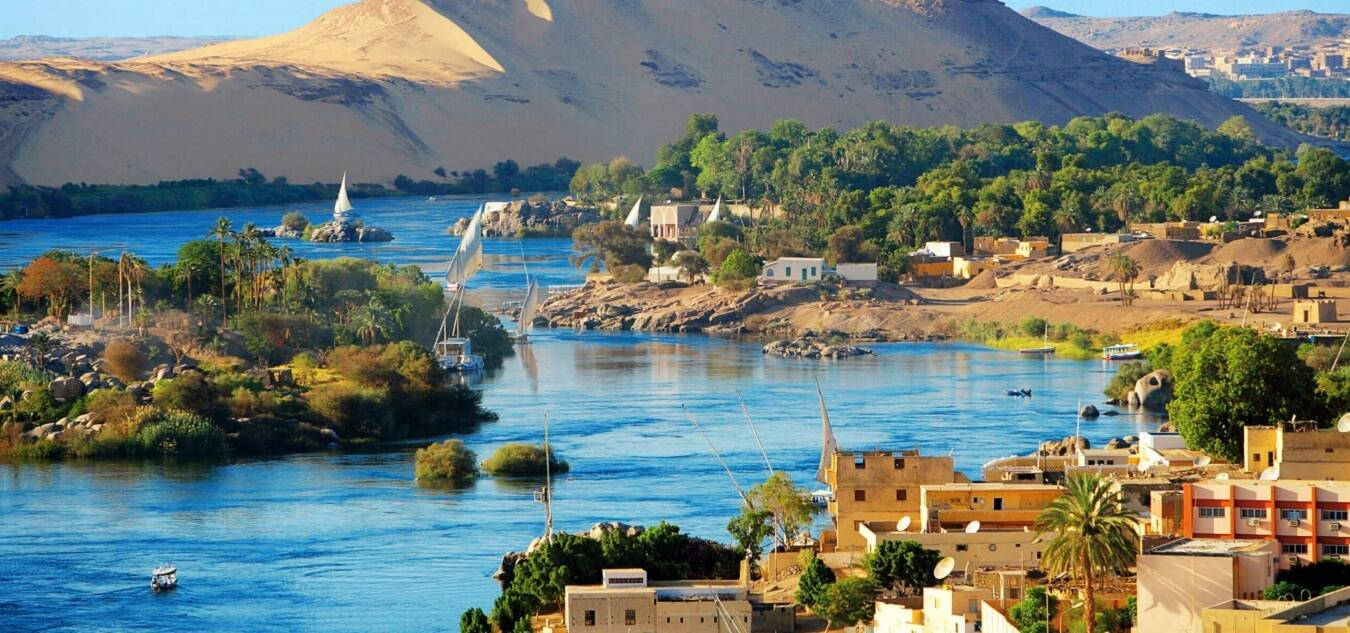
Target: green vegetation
<point>1090,534</point>
<point>1303,581</point>
<point>1327,121</point>
<point>526,460</point>
<point>474,621</point>
<point>252,189</point>
<point>815,578</point>
<point>777,509</point>
<point>875,192</point>
<point>448,461</point>
<point>903,566</point>
<point>538,582</point>
<point>231,307</point>
<point>1282,88</point>
<point>1069,340</point>
<point>1032,613</point>
<point>847,602</point>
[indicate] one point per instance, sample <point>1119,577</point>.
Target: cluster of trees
<point>1229,378</point>
<point>1302,582</point>
<point>888,188</point>
<point>540,579</point>
<point>505,177</point>
<point>1282,88</point>
<point>525,460</point>
<point>1329,121</point>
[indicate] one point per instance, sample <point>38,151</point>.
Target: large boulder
<point>1153,390</point>
<point>66,388</point>
<point>1089,412</point>
<point>373,234</point>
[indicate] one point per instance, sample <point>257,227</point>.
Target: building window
<point>974,606</point>
<point>1293,515</point>
<point>1211,513</point>
<point>787,271</point>
<point>590,618</point>
<point>857,526</point>
<point>667,620</point>
<point>1256,457</point>
<point>1013,593</point>
<point>768,272</point>
<point>1294,548</point>
<point>901,494</point>
<point>975,501</point>
<point>1252,513</point>
<point>859,462</point>
<point>1335,515</point>
<point>1336,550</point>
<point>813,274</point>
<point>860,495</point>
<point>899,463</point>
<point>962,548</point>
<point>630,617</point>
<point>998,503</point>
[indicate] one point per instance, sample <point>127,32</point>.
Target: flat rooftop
<point>988,486</point>
<point>1338,615</point>
<point>1208,547</point>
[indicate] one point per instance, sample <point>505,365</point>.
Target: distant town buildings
<point>1325,60</point>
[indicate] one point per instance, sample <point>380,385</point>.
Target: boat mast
<point>548,485</point>
<point>753,432</point>
<point>740,491</point>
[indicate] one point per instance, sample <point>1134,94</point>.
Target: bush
<point>814,579</point>
<point>109,406</point>
<point>190,392</point>
<point>182,435</point>
<point>523,460</point>
<point>1122,383</point>
<point>295,221</point>
<point>738,265</point>
<point>1033,326</point>
<point>474,621</point>
<point>1030,614</point>
<point>125,360</point>
<point>848,602</point>
<point>1082,339</point>
<point>629,273</point>
<point>447,461</point>
<point>902,565</point>
<point>354,411</point>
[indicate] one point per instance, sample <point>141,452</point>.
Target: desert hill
<point>1197,30</point>
<point>387,87</point>
<point>96,48</point>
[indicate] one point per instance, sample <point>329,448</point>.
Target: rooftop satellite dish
<point>1221,476</point>
<point>1213,218</point>
<point>944,568</point>
<point>903,525</point>
<point>1257,214</point>
<point>1203,461</point>
<point>1270,474</point>
<point>972,527</point>
<point>1343,424</point>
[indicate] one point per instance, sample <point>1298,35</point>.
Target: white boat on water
<point>468,259</point>
<point>454,351</point>
<point>343,211</point>
<point>164,578</point>
<point>456,354</point>
<point>1124,351</point>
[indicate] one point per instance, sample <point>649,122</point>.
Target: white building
<point>945,249</point>
<point>794,269</point>
<point>856,272</point>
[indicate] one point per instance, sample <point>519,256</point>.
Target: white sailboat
<point>343,211</point>
<point>528,310</point>
<point>716,214</point>
<point>468,259</point>
<point>633,218</point>
<point>828,445</point>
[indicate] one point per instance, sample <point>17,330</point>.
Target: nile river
<point>349,542</point>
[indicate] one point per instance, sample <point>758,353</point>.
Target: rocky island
<point>531,218</point>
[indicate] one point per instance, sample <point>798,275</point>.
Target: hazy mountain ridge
<point>31,47</point>
<point>1197,30</point>
<point>388,87</point>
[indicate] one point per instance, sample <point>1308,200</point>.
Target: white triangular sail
<point>828,445</point>
<point>716,214</point>
<point>633,218</point>
<point>343,206</point>
<point>469,257</point>
<point>529,308</point>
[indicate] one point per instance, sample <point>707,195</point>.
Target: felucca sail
<point>343,206</point>
<point>529,308</point>
<point>633,220</point>
<point>468,258</point>
<point>828,445</point>
<point>716,212</point>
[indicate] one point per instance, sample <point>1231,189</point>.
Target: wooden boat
<point>1124,351</point>
<point>1045,347</point>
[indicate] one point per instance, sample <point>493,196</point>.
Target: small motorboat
<point>164,578</point>
<point>1124,351</point>
<point>1019,393</point>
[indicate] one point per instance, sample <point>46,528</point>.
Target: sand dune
<point>388,87</point>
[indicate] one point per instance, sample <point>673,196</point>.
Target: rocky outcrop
<point>1153,390</point>
<point>811,346</point>
<point>1089,412</point>
<point>525,218</point>
<point>651,307</point>
<point>66,388</point>
<point>338,231</point>
<point>1066,446</point>
<point>283,232</point>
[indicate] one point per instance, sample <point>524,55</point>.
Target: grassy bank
<point>1069,340</point>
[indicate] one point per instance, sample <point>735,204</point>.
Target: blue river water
<point>348,541</point>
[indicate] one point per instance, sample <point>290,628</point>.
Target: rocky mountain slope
<point>96,48</point>
<point>1197,30</point>
<point>387,87</point>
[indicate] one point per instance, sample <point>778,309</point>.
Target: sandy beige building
<point>1328,613</point>
<point>1314,311</point>
<point>1180,579</point>
<point>880,486</point>
<point>626,602</point>
<point>995,505</point>
<point>948,609</point>
<point>1297,454</point>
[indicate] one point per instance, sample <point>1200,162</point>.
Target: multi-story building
<point>626,602</point>
<point>952,507</point>
<point>676,222</point>
<point>1176,581</point>
<point>1309,519</point>
<point>1298,453</point>
<point>951,609</point>
<point>880,486</point>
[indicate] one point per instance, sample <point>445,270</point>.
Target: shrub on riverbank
<point>524,460</point>
<point>449,461</point>
<point>125,360</point>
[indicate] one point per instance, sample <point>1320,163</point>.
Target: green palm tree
<point>222,231</point>
<point>9,284</point>
<point>1093,535</point>
<point>1126,271</point>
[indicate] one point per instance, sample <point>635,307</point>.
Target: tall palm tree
<point>1093,534</point>
<point>222,231</point>
<point>9,284</point>
<point>1126,271</point>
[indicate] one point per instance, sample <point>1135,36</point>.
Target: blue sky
<point>86,18</point>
